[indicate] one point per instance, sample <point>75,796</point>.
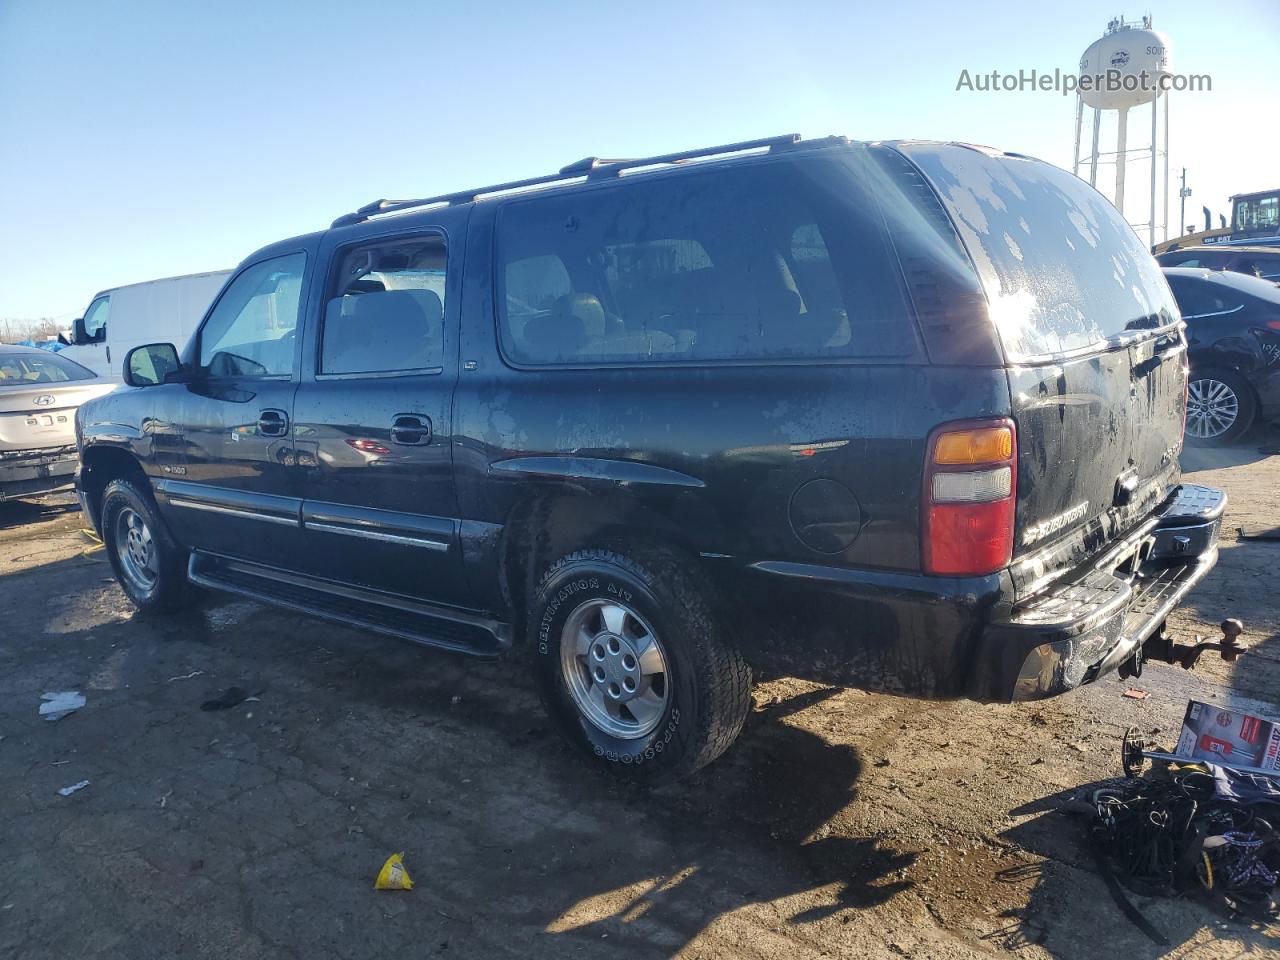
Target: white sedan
<point>39,393</point>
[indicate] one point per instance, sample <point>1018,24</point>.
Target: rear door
<point>1092,339</point>
<point>373,415</point>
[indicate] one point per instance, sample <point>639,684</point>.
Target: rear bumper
<point>1087,626</point>
<point>946,638</point>
<point>25,473</point>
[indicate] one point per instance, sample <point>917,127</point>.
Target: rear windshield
<point>1063,270</point>
<point>756,262</point>
<point>17,369</point>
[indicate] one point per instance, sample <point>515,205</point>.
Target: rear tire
<point>632,665</point>
<point>150,568</point>
<point>1221,406</point>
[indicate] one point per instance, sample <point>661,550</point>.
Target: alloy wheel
<point>614,668</point>
<point>136,550</point>
<point>1212,408</point>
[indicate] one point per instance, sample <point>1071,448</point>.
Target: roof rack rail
<point>589,167</point>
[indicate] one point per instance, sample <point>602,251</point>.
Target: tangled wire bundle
<point>1194,830</point>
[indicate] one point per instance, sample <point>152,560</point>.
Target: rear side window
<point>386,314</point>
<point>1062,269</point>
<point>753,263</point>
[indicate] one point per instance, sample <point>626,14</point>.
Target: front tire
<point>1220,407</point>
<point>149,566</point>
<point>632,666</point>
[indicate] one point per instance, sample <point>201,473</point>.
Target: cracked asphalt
<point>841,823</point>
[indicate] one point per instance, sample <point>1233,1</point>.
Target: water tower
<point>1121,71</point>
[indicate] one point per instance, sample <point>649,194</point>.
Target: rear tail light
<point>970,480</point>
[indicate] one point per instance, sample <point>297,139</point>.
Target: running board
<point>383,613</point>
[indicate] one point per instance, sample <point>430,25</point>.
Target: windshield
<point>22,369</point>
<point>1062,269</point>
<point>1257,213</point>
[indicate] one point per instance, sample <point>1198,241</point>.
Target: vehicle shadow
<point>1069,875</point>
<point>1261,442</point>
<point>752,829</point>
<point>577,861</point>
<point>18,513</point>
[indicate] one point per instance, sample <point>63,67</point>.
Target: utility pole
<point>1183,194</point>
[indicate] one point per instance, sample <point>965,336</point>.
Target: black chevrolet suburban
<point>898,415</point>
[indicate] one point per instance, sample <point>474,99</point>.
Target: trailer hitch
<point>1161,647</point>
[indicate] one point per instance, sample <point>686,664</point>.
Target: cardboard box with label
<point>1229,737</point>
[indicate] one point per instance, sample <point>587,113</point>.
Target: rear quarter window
<point>756,263</point>
<point>1062,269</point>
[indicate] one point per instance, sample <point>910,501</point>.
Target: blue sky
<point>148,139</point>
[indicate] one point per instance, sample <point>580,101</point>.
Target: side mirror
<point>77,331</point>
<point>152,364</point>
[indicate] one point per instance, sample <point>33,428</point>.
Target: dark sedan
<point>1233,328</point>
<point>1254,261</point>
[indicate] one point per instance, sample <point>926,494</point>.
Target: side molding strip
<point>231,511</point>
<point>595,468</point>
<point>376,535</point>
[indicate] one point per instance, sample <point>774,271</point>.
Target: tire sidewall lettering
<point>658,747</point>
<point>570,589</point>
<point>655,745</point>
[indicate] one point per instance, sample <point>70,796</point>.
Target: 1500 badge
<point>1038,531</point>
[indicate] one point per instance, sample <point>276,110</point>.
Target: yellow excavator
<point>1255,219</point>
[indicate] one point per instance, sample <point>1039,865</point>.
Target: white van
<point>156,311</point>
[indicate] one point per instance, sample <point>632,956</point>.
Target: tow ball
<point>1161,647</point>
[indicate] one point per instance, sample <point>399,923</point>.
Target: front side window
<point>386,314</point>
<point>757,263</point>
<point>95,319</point>
<point>23,368</point>
<point>252,330</point>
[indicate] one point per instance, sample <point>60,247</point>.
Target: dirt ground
<point>841,824</point>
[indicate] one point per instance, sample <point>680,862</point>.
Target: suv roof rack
<point>589,167</point>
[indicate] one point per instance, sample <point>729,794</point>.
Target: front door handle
<point>411,430</point>
<point>273,423</point>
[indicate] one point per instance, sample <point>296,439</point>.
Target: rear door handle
<point>273,423</point>
<point>411,430</point>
